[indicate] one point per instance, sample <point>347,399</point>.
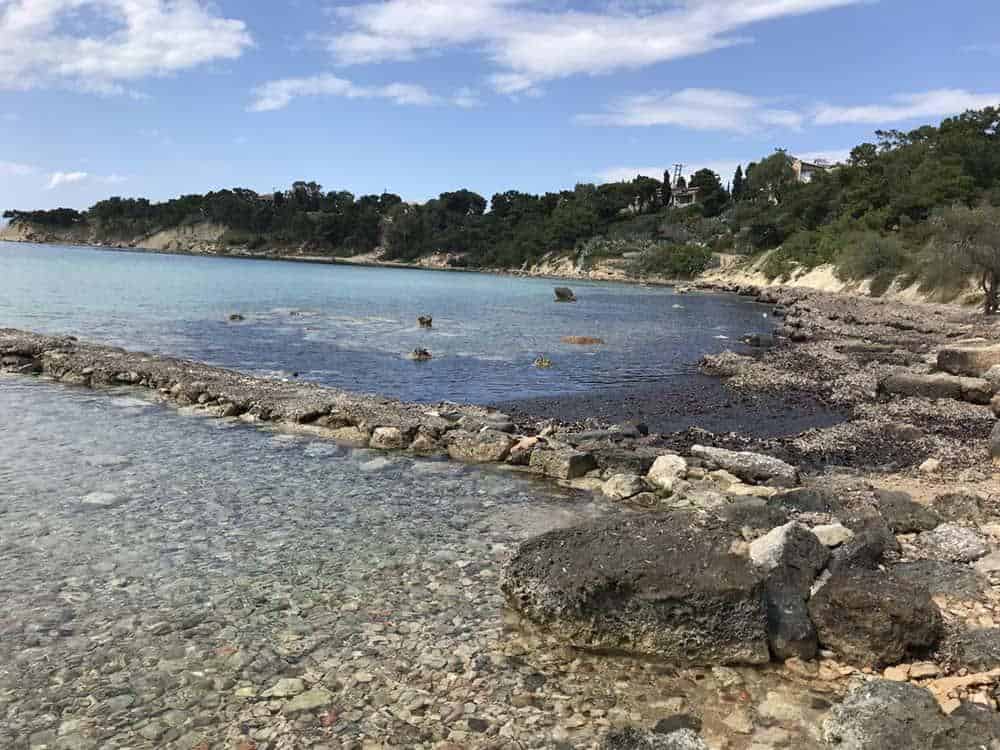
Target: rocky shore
<point>861,560</point>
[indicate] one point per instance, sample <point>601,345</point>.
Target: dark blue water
<point>352,327</point>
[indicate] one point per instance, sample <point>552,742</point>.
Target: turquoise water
<point>352,327</point>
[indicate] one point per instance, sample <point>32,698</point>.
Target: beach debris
<point>236,318</point>
<point>582,340</point>
<point>565,294</point>
<point>420,355</point>
<point>425,321</point>
<point>542,361</point>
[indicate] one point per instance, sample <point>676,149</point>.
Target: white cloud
<point>696,109</point>
<point>279,94</point>
<point>13,169</point>
<point>833,156</point>
<point>466,98</point>
<point>530,41</point>
<point>928,104</point>
<point>58,179</point>
<point>97,45</point>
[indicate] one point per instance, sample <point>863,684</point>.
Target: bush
<point>671,261</point>
<point>872,255</point>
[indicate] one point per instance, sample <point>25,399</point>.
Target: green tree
<point>970,239</point>
<point>712,196</point>
<point>737,191</point>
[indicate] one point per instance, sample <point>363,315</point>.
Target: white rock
<point>750,467</point>
<point>930,466</point>
<point>623,486</point>
<point>833,534</point>
<point>666,470</point>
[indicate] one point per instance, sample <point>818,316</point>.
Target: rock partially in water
<point>564,294</point>
<point>873,619</point>
<point>480,447</point>
<point>562,463</point>
<point>886,714</point>
<point>666,585</point>
<point>624,486</point>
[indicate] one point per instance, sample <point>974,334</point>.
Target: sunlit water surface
<point>352,327</point>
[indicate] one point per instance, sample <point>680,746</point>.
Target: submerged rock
<point>873,619</point>
<point>750,467</point>
<point>657,585</point>
<point>425,321</point>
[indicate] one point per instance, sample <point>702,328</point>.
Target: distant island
<point>923,205</point>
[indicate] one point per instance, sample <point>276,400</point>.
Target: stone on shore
<point>937,385</point>
<point>664,585</point>
<point>479,447</point>
<point>562,463</point>
<point>833,534</point>
<point>750,467</point>
<point>634,739</point>
<point>886,714</point>
<point>903,514</point>
<point>973,361</point>
<point>623,486</point>
<point>953,543</point>
<point>665,472</point>
<point>872,619</point>
<point>389,438</point>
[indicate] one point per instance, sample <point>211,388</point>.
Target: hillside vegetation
<point>924,205</point>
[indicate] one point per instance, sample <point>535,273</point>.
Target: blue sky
<point>163,97</point>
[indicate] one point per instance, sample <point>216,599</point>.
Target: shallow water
<point>162,573</point>
<point>352,327</point>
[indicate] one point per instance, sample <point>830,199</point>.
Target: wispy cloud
<point>275,95</point>
<point>725,168</point>
<point>731,111</point>
<point>902,107</point>
<point>14,169</point>
<point>531,41</point>
<point>127,40</point>
<point>696,109</point>
<point>62,179</point>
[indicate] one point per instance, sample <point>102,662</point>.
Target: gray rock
<point>479,447</point>
<point>792,553</point>
<point>941,578</point>
<point>874,619</point>
<point>886,714</point>
<point>833,534</point>
<point>562,463</point>
<point>311,700</point>
<point>976,650</point>
<point>953,543</point>
<point>989,564</point>
<point>790,630</point>
<point>750,467</point>
<point>389,438</point>
<point>964,506</point>
<point>753,515</point>
<point>903,515</point>
<point>564,294</point>
<point>937,385</point>
<point>634,739</point>
<point>665,585</point>
<point>968,360</point>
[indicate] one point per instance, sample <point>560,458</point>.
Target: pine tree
<point>667,192</point>
<point>737,190</point>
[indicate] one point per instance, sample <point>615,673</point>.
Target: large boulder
<point>562,463</point>
<point>664,585</point>
<point>873,619</point>
<point>974,361</point>
<point>886,714</point>
<point>750,467</point>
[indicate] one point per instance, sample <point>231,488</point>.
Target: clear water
<point>352,327</point>
<point>160,573</point>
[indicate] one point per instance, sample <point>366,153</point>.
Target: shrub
<point>671,261</point>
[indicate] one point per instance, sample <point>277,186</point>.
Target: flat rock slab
<point>665,585</point>
<point>968,360</point>
<point>886,714</point>
<point>937,385</point>
<point>750,467</point>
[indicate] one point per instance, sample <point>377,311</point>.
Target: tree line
<point>883,212</point>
